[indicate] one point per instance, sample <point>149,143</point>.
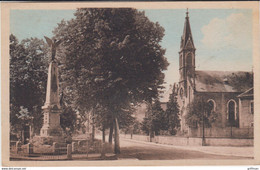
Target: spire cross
<point>187,12</point>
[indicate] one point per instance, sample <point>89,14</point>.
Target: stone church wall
<point>221,105</point>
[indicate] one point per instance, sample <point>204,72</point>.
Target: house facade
<point>229,94</point>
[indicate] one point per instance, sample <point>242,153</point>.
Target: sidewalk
<point>89,157</point>
<point>247,152</point>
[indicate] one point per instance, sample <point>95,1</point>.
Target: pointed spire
<point>187,36</point>
<point>187,13</point>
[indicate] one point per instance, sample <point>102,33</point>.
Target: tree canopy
<point>112,58</point>
<point>28,77</point>
<point>112,55</point>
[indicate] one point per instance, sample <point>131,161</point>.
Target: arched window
<point>181,93</point>
<point>189,60</point>
<point>180,61</point>
<point>231,112</point>
<point>211,105</point>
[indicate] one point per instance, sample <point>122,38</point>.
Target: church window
<point>189,60</point>
<point>181,93</point>
<point>231,115</point>
<point>211,105</point>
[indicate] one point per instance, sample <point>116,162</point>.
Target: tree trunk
<point>103,135</point>
<point>150,135</point>
<point>93,132</point>
<point>111,133</point>
<point>103,149</point>
<point>117,145</point>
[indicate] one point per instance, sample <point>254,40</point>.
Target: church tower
<point>186,56</point>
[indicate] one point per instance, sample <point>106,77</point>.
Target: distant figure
<point>53,44</point>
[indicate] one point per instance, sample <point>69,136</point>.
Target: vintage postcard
<point>128,84</point>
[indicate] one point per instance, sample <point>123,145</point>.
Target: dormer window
<point>225,80</point>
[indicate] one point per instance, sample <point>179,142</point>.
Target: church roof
<point>248,93</point>
<point>223,81</point>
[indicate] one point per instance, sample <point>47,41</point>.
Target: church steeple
<point>186,55</point>
<point>186,39</point>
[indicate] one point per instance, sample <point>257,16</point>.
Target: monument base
<point>52,137</point>
<point>51,124</point>
<point>47,140</point>
<point>47,144</point>
<point>54,131</point>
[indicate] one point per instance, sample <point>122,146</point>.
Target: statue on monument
<point>53,44</point>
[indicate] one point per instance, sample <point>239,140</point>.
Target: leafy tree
<point>146,125</point>
<point>23,118</point>
<point>172,113</point>
<point>136,127</point>
<point>199,113</point>
<point>112,58</point>
<point>154,121</point>
<point>28,74</point>
<point>68,119</point>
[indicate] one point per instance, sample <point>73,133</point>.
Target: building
<point>229,93</point>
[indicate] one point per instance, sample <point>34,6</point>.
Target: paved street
<point>132,149</point>
<point>139,150</point>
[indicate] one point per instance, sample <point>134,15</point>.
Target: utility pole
<point>203,129</point>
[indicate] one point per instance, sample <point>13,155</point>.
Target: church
<point>229,94</point>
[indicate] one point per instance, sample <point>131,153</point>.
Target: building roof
<point>247,93</point>
<point>223,81</point>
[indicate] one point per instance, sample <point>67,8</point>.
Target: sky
<point>222,37</point>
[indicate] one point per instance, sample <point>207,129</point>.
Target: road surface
<point>132,149</point>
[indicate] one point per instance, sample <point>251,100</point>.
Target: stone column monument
<point>52,109</point>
